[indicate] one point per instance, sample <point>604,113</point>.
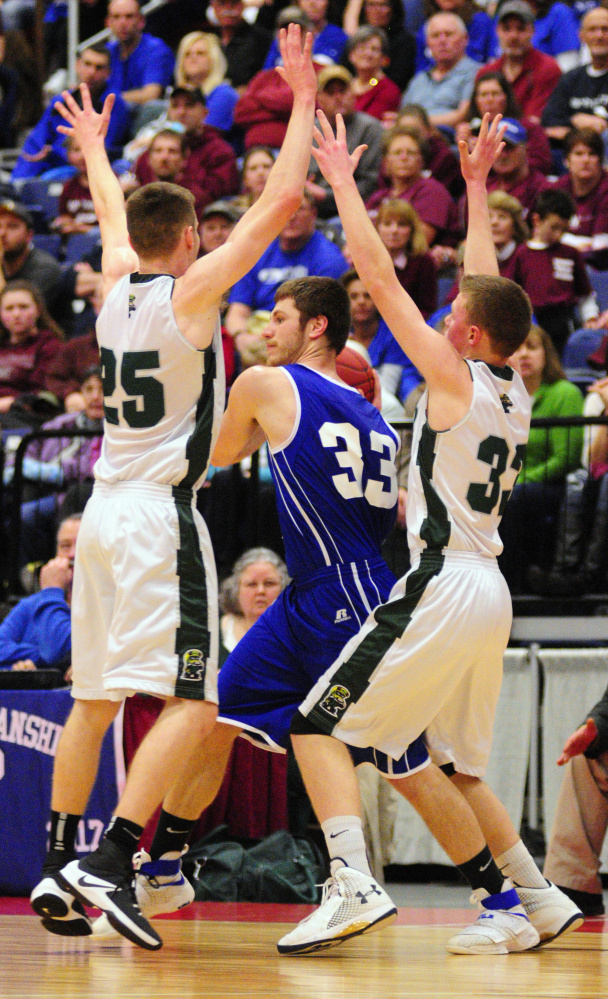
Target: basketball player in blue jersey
<point>430,659</point>
<point>332,463</point>
<point>145,593</point>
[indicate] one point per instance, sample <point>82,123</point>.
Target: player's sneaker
<point>550,911</point>
<point>104,879</point>
<point>160,887</point>
<point>502,927</point>
<point>352,904</point>
<point>60,911</point>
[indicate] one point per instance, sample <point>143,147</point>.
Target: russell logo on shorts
<point>336,701</point>
<point>192,665</point>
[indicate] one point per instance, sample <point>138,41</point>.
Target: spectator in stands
<point>20,259</point>
<point>166,156</point>
<point>9,99</point>
<point>336,96</point>
<point>264,108</point>
<point>217,222</point>
<point>444,89</point>
<point>482,44</point>
<point>582,538</point>
<point>493,94</point>
<point>16,55</point>
<point>200,62</point>
<point>442,164</point>
<point>76,357</point>
<point>375,93</point>
<point>402,232</point>
<point>29,340</point>
<point>141,65</point>
<point>36,634</point>
<point>209,169</point>
<point>509,229</point>
<point>44,148</point>
<point>329,39</point>
<point>300,250</point>
<point>388,15</point>
<point>244,45</point>
<point>512,172</point>
<point>57,463</point>
<point>532,74</point>
<point>587,184</point>
<point>556,32</point>
<point>552,273</point>
<point>76,209</point>
<point>580,99</point>
<point>255,582</point>
<point>369,331</point>
<point>403,176</point>
<point>257,164</point>
<point>527,527</point>
<point>581,818</point>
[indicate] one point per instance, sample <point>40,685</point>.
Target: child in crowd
<point>76,211</point>
<point>553,274</point>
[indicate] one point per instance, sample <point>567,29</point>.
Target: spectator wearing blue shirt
<point>329,42</point>
<point>36,634</point>
<point>299,251</point>
<point>482,44</point>
<point>141,65</point>
<point>556,33</point>
<point>44,147</point>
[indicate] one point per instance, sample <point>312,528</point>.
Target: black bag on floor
<point>278,869</point>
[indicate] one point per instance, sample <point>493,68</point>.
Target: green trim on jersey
<point>353,676</point>
<point>192,638</point>
<point>435,529</point>
<point>198,447</point>
<point>506,373</point>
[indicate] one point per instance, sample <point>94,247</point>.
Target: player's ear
<point>317,327</point>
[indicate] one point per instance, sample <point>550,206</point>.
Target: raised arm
<point>479,250</point>
<point>90,129</point>
<point>209,277</point>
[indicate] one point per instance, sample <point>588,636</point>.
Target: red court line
<point>257,912</point>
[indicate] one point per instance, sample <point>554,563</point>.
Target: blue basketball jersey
<point>335,480</point>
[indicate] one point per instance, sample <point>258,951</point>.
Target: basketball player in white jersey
<point>430,659</point>
<point>145,591</point>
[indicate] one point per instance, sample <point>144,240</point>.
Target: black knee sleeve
<point>449,769</point>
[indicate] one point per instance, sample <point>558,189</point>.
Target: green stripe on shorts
<point>192,640</point>
<point>352,678</point>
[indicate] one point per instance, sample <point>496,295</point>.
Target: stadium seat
<point>599,282</point>
<point>80,244</point>
<point>579,345</point>
<point>50,242</point>
<point>44,195</point>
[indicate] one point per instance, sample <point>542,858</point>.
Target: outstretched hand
<point>297,69</point>
<point>331,152</point>
<point>86,124</point>
<point>579,741</point>
<point>477,165</point>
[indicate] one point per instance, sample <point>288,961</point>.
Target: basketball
<point>356,372</point>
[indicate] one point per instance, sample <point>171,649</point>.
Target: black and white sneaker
<point>104,880</point>
<point>61,913</point>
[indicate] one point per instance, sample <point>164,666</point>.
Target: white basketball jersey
<point>460,479</point>
<point>163,398</point>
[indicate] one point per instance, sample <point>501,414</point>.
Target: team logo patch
<point>192,665</point>
<point>342,615</point>
<point>131,304</point>
<point>507,405</point>
<point>336,701</point>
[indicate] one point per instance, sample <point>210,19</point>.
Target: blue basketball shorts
<point>279,660</point>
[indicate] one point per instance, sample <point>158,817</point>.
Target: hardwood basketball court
<point>216,951</point>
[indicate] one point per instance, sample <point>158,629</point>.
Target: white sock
<point>345,843</point>
<point>518,865</point>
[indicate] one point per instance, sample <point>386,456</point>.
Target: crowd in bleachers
<point>200,101</point>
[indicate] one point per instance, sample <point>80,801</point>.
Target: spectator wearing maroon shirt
<point>29,340</point>
<point>553,274</point>
<point>76,209</point>
<point>401,231</point>
<point>511,171</point>
<point>68,367</point>
<point>209,170</point>
<point>442,163</point>
<point>587,184</point>
<point>493,94</point>
<point>402,176</point>
<point>532,74</point>
<point>375,93</point>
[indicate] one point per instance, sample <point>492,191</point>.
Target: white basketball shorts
<point>144,599</point>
